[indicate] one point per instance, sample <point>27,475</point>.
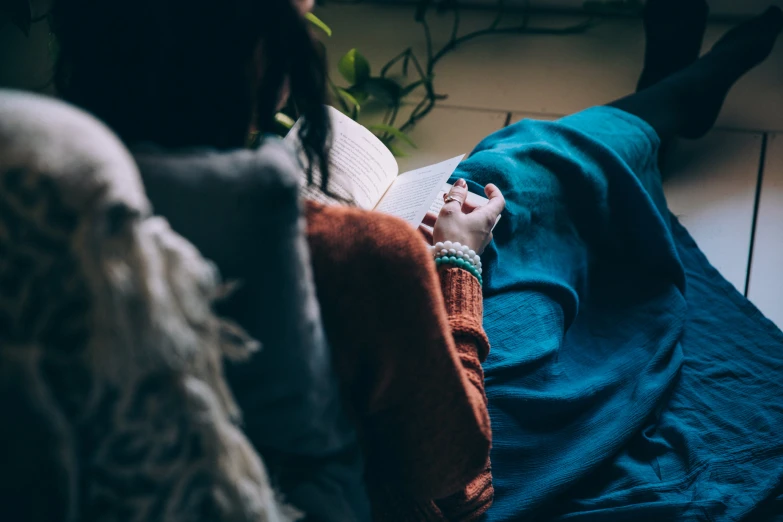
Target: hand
<point>462,222</point>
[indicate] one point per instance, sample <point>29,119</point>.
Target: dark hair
<point>182,73</point>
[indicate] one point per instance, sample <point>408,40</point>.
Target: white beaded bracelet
<point>454,249</point>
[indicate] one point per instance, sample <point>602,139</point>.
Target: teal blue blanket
<point>627,379</point>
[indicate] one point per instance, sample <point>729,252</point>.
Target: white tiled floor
<point>711,188</point>
<point>516,116</point>
<point>444,134</point>
<point>713,182</point>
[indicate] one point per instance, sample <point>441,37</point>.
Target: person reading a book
<point>614,393</point>
<point>192,79</point>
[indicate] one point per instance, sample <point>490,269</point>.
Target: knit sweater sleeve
<point>464,309</point>
<point>418,385</point>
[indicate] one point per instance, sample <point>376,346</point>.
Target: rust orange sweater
<point>408,344</point>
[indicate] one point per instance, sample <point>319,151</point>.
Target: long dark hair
<point>182,73</point>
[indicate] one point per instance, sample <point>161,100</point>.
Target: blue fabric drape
<point>627,379</point>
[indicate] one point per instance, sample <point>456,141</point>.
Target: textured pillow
<point>111,378</point>
<point>241,209</point>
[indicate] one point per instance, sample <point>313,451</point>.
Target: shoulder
<point>382,243</point>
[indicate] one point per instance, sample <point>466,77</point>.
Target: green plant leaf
<point>359,94</point>
<point>348,97</point>
<point>338,97</point>
<point>384,90</point>
<point>319,23</point>
<point>354,67</point>
<point>393,131</point>
<point>284,120</point>
<point>251,141</point>
<point>396,152</point>
<point>19,13</point>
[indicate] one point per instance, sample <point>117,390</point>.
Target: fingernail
<point>461,183</point>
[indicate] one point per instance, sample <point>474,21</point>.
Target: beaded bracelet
<point>462,256</point>
<point>454,249</point>
<point>461,263</point>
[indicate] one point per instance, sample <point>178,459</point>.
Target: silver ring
<point>449,199</point>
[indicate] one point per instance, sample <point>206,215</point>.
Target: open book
<point>362,169</point>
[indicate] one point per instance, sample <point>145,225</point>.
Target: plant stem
<point>336,93</point>
<point>425,106</point>
<point>394,60</point>
<point>525,13</point>
<point>419,112</point>
<point>455,26</point>
<point>522,29</point>
<point>395,110</point>
<point>501,12</point>
<point>428,41</point>
<point>427,78</point>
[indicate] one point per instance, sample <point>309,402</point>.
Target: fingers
<point>455,198</point>
<point>496,202</point>
<point>429,219</point>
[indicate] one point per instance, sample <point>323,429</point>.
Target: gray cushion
<point>241,209</point>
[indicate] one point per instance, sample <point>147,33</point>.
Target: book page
<point>361,168</point>
<point>412,193</point>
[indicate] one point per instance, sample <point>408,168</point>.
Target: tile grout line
<point>757,200</point>
<point>740,130</point>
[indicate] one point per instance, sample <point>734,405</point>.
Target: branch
<point>422,109</point>
<point>501,11</point>
<point>428,41</point>
<point>455,27</point>
<point>395,110</point>
<point>394,60</point>
<point>522,29</point>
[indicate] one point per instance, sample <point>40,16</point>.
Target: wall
<point>717,7</point>
<point>25,61</point>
